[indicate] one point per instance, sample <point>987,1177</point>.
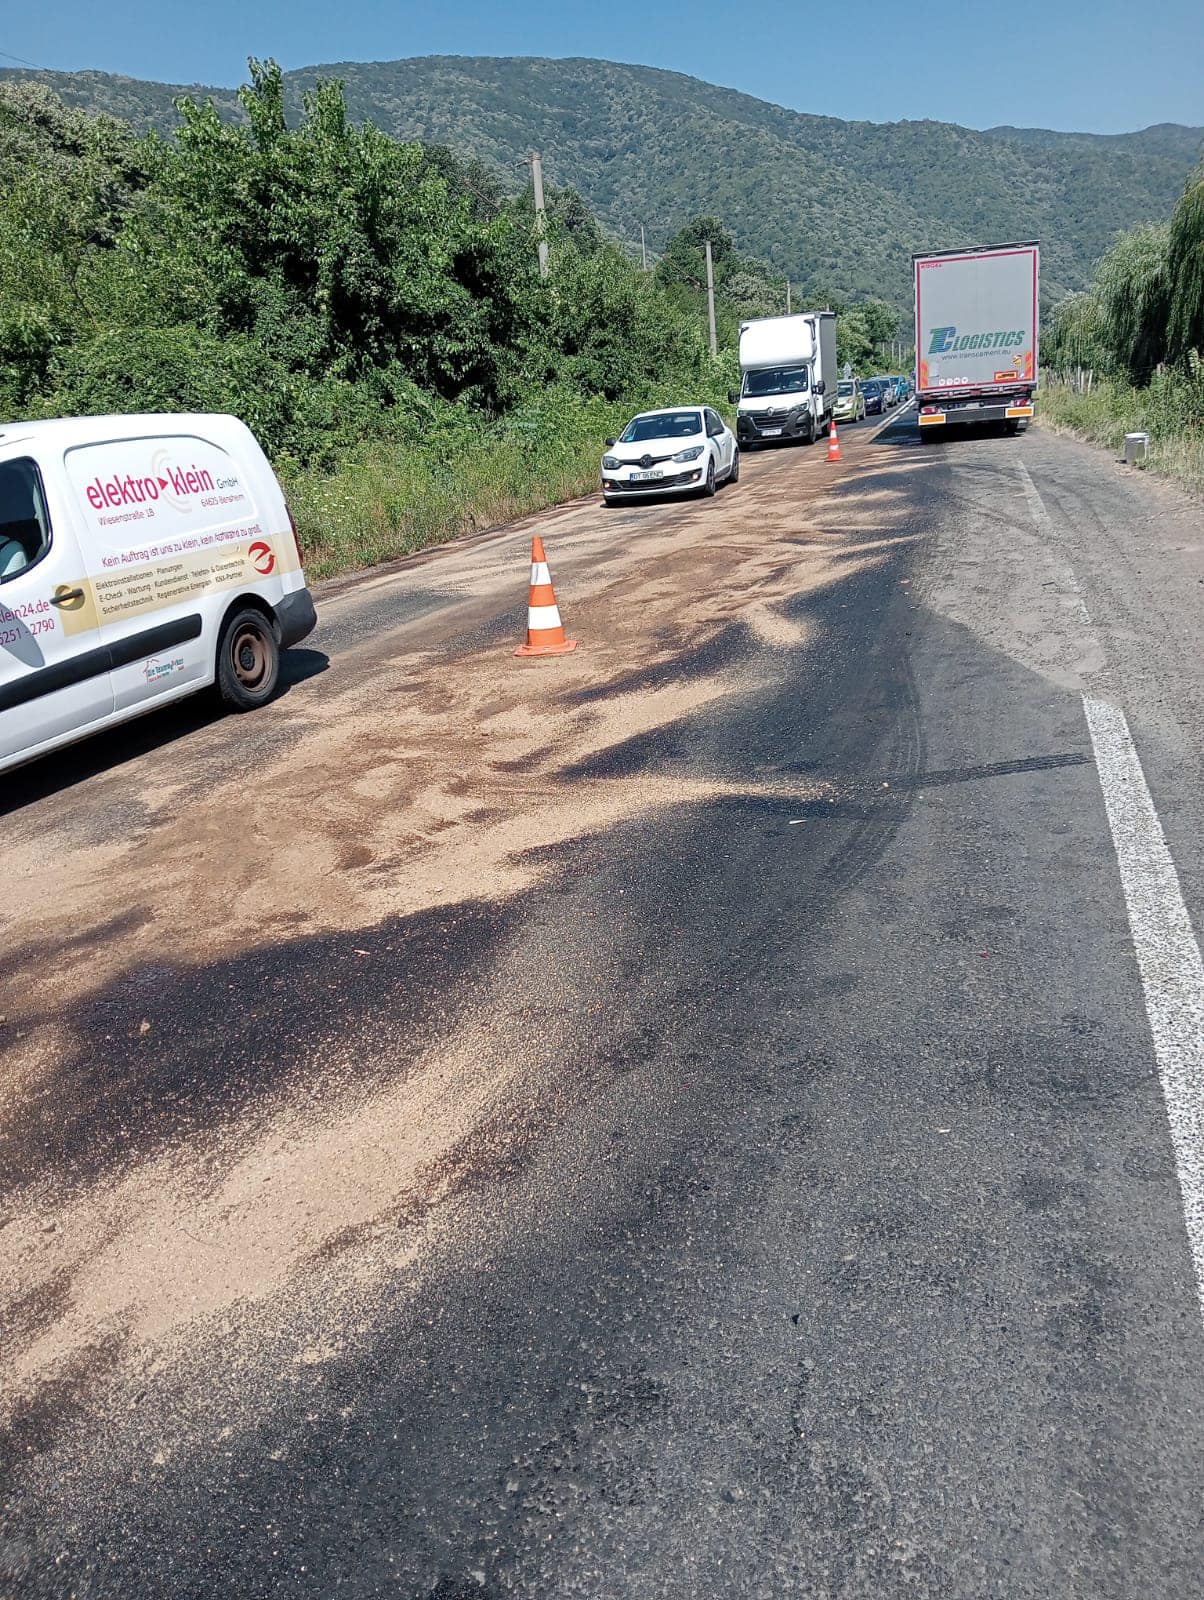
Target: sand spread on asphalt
<point>422,781</point>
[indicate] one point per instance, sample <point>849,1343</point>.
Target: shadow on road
<point>103,752</point>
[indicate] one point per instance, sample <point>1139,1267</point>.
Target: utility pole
<point>711,301</point>
<point>536,164</point>
<point>787,296</point>
<point>643,249</point>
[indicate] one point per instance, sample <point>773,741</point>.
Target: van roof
<point>63,432</point>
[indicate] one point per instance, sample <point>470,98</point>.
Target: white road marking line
<point>891,417</point>
<point>1164,941</point>
<point>1168,956</point>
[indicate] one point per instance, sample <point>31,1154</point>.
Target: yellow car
<point>850,402</point>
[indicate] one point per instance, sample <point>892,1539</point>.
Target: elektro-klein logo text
<point>175,482</point>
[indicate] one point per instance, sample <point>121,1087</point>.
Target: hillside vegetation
<point>1126,355</point>
<point>836,206</point>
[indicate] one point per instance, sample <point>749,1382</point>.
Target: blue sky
<point>1096,65</point>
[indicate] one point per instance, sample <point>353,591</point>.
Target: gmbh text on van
<point>141,559</point>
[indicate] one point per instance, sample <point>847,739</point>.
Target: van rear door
<point>54,668</point>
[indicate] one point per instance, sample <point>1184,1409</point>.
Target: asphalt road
<point>680,1121</point>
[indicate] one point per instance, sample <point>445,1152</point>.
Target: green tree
<point>1185,271</point>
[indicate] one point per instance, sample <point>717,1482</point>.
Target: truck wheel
<point>248,660</point>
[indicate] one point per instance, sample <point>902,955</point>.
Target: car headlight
<point>690,455</point>
<point>611,463</point>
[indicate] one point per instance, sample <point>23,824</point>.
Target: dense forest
<point>836,206</point>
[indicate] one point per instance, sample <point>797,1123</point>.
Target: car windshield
<point>775,380</point>
<point>662,425</point>
<point>871,386</point>
<point>846,386</point>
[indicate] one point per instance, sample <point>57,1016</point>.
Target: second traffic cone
<point>545,631</point>
<point>833,442</point>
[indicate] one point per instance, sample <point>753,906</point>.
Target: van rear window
<point>24,525</point>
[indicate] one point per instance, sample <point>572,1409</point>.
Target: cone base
<point>546,649</point>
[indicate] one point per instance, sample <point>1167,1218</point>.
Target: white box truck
<point>976,335</point>
<point>788,379</point>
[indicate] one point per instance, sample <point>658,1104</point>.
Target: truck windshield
<point>775,380</point>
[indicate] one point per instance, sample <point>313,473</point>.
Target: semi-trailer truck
<point>976,335</point>
<point>788,378</point>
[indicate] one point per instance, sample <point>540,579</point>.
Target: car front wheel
<point>708,487</point>
<point>734,475</point>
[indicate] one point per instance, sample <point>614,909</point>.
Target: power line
<point>22,61</point>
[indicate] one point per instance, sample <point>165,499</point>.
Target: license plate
<point>771,433</point>
<point>645,477</point>
<point>971,405</point>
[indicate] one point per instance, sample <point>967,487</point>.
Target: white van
<point>141,559</point>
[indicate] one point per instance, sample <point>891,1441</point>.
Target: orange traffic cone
<point>545,631</point>
<point>833,442</point>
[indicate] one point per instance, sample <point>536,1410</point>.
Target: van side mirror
<point>820,386</point>
<point>733,397</point>
<point>609,442</point>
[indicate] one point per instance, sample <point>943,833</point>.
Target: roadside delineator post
<point>545,631</point>
<point>833,442</point>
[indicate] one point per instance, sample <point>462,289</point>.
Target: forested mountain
<point>836,206</point>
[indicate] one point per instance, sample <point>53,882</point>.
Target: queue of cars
<point>691,450</point>
<point>881,394</point>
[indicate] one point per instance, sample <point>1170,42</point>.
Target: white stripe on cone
<point>540,573</point>
<point>543,617</point>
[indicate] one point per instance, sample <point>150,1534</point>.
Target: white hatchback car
<point>689,448</point>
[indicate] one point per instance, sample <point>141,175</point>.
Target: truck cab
<point>787,378</point>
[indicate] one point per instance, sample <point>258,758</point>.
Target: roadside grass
<point>459,473</point>
<point>1170,410</point>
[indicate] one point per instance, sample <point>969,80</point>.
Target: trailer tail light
<point>930,415</point>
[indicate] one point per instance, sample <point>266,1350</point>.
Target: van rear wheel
<point>248,660</point>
